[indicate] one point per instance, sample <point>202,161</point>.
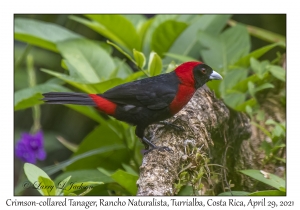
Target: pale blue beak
<point>214,75</point>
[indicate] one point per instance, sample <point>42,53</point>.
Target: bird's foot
<point>152,146</point>
<point>171,125</point>
<point>162,149</point>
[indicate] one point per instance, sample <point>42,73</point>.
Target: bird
<point>146,101</point>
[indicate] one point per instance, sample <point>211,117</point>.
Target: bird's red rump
<point>103,104</point>
<point>184,94</point>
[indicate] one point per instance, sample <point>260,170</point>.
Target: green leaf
<point>29,97</point>
<point>272,122</point>
<point>268,193</point>
<point>234,193</point>
<point>267,147</point>
<point>126,180</point>
<point>265,131</point>
<point>41,34</point>
<point>232,77</point>
<point>101,137</point>
<point>186,190</point>
<point>259,67</point>
<point>126,54</point>
<point>165,34</point>
<point>139,58</point>
<point>273,181</point>
<point>85,176</point>
<point>136,19</point>
<point>80,186</point>
<point>61,184</point>
<point>242,86</point>
<point>263,34</point>
<point>224,50</point>
<point>30,100</point>
<point>123,70</point>
<point>260,116</point>
<point>255,65</point>
<point>245,61</point>
<point>187,43</point>
<point>105,46</point>
<point>264,86</point>
<point>115,27</point>
<point>129,169</point>
<point>33,173</point>
<point>82,176</point>
<point>234,99</point>
<point>120,50</point>
<point>277,72</point>
<point>280,159</point>
<point>283,189</point>
<point>69,67</point>
<point>57,167</point>
<point>249,103</point>
<point>119,27</point>
<point>213,24</point>
<point>148,29</point>
<point>105,171</point>
<point>251,88</point>
<point>72,194</point>
<point>47,186</point>
<point>275,148</point>
<point>155,64</point>
<point>249,110</point>
<point>64,64</point>
<point>187,18</point>
<point>215,86</point>
<point>55,81</point>
<point>134,76</point>
<point>142,31</point>
<point>101,87</point>
<point>171,67</point>
<point>76,82</point>
<point>92,63</point>
<point>88,111</point>
<point>181,58</point>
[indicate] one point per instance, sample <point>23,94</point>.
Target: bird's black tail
<point>68,98</point>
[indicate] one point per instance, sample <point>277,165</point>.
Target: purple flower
<point>31,147</point>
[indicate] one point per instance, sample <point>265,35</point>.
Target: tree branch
<point>205,121</point>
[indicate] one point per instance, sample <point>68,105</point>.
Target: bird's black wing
<point>154,92</point>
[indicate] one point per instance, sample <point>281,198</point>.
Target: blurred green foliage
<point>93,53</point>
<point>261,176</point>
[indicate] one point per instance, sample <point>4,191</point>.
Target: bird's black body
<point>140,104</point>
<point>153,93</point>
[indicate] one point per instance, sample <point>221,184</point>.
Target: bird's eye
<point>203,70</point>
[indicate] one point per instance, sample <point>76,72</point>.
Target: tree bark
<point>209,126</point>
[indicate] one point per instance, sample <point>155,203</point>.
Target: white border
<point>291,8</point>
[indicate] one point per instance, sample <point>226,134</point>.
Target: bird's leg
<point>139,131</point>
<point>147,143</point>
<point>176,127</point>
<point>153,146</point>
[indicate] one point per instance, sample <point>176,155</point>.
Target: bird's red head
<point>196,74</point>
